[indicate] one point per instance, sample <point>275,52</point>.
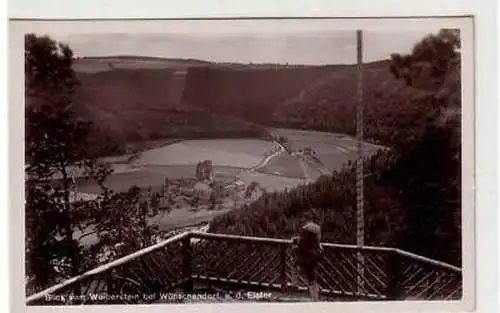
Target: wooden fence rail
<point>251,263</point>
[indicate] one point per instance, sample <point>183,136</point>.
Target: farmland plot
<point>143,177</point>
<point>270,182</point>
<point>283,165</point>
<point>178,160</point>
<point>242,153</point>
<point>331,150</point>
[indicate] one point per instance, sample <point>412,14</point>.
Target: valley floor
<point>246,161</point>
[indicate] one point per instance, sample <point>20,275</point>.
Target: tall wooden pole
<point>360,218</point>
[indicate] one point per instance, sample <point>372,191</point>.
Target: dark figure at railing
<point>307,253</point>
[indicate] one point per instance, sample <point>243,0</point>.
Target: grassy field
<point>241,153</point>
<point>270,182</point>
<point>184,217</point>
<point>178,160</point>
<point>332,150</point>
<point>143,177</point>
<point>153,176</point>
<point>232,158</point>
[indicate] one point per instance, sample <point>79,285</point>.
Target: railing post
<point>187,263</point>
<point>111,284</point>
<point>394,267</point>
<point>284,280</point>
<point>76,290</point>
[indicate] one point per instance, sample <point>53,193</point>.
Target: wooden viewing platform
<point>238,268</point>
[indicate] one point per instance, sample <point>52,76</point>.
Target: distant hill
<point>315,98</point>
<point>132,105</point>
<point>330,104</point>
<point>133,97</point>
<point>107,63</point>
<point>248,92</point>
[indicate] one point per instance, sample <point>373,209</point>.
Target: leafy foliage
<point>60,145</point>
<point>431,60</point>
<point>55,138</point>
<point>120,222</point>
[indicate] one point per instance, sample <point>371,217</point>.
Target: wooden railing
<point>182,262</point>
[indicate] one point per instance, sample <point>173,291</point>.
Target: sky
<point>291,44</point>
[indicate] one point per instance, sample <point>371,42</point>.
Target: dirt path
<point>307,178</point>
<point>268,158</point>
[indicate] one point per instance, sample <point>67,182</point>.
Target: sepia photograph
<point>246,160</point>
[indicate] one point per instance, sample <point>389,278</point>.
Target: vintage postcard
<point>254,162</point>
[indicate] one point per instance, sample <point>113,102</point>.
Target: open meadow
<point>241,153</point>
<point>327,151</point>
<point>248,160</point>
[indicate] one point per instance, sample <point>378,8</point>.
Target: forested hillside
<point>412,192</point>
<point>330,103</point>
<point>129,99</point>
<point>248,92</point>
<point>133,105</point>
<point>130,103</point>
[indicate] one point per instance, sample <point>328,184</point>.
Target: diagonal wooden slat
<point>215,260</point>
<point>348,272</point>
<point>274,273</point>
<point>413,275</point>
<point>349,260</point>
<point>364,279</point>
<point>94,286</point>
<point>375,278</point>
<point>226,262</point>
<point>248,265</point>
<point>208,263</point>
<point>381,274</point>
<point>262,269</point>
<point>337,273</point>
<point>382,261</point>
<point>419,283</point>
<point>329,281</point>
<point>270,268</point>
<point>162,273</point>
<point>422,293</point>
<point>409,268</point>
<point>441,288</point>
<point>86,286</point>
<point>260,263</point>
<point>368,283</point>
<point>254,265</point>
<point>222,266</point>
<point>454,293</point>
